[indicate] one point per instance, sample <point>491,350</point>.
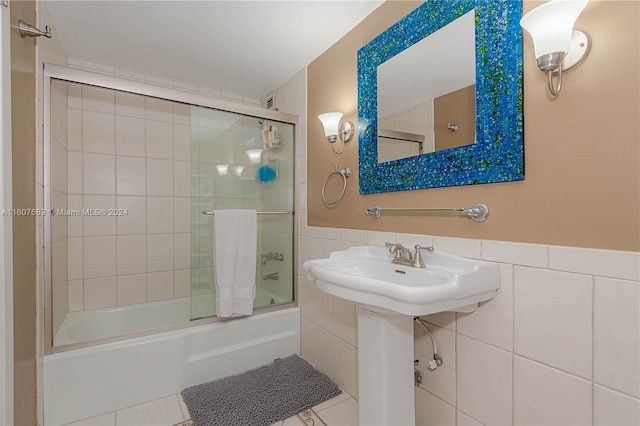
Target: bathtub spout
<point>273,276</point>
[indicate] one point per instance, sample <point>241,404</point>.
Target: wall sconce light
<point>237,170</point>
<point>557,46</point>
<point>333,129</point>
<point>222,169</point>
<point>255,155</point>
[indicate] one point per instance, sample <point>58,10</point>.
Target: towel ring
<point>345,173</point>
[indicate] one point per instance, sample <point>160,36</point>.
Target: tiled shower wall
<point>559,344</point>
<point>127,153</point>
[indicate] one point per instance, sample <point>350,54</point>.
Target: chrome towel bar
<point>478,212</point>
<point>260,213</point>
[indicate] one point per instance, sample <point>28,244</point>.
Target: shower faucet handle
<point>272,255</point>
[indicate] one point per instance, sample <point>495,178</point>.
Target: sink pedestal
<point>385,368</point>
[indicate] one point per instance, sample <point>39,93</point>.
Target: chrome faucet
<point>272,255</point>
<point>403,256</point>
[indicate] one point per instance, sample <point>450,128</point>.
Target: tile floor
<point>171,411</point>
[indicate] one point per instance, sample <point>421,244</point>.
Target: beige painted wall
<point>23,112</point>
<point>458,108</point>
<point>582,185</point>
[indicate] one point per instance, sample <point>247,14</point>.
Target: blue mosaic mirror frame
<point>498,154</point>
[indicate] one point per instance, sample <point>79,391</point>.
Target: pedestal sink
<point>388,296</point>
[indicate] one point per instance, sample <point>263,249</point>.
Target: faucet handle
<point>393,247</point>
<point>418,262</point>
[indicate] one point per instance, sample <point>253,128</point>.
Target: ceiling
<point>246,48</point>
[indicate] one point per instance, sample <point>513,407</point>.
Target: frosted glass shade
<point>550,25</point>
<point>331,123</point>
<point>255,155</point>
<point>237,170</point>
<point>222,169</point>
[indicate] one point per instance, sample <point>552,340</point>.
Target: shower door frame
<point>72,75</point>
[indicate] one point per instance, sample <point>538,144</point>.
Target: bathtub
<point>99,379</point>
<point>96,324</point>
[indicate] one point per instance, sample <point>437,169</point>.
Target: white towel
<point>236,243</point>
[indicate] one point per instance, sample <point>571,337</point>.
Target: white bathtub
<point>95,324</point>
<point>100,379</point>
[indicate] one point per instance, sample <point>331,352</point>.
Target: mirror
<point>426,99</point>
<point>498,152</point>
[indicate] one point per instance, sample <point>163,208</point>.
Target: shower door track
<point>258,213</point>
<point>72,75</point>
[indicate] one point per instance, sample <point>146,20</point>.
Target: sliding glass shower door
<point>241,162</point>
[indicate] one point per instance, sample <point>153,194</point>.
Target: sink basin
<point>366,276</point>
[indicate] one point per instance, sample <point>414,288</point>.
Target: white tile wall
<point>74,172</point>
<point>545,396</point>
<point>74,125</point>
<point>160,137</point>
<point>493,323</point>
<point>121,155</point>
<point>99,173</point>
<point>130,152</point>
<point>160,252</point>
<point>160,286</point>
<point>160,215</point>
<point>135,221</point>
<point>98,132</point>
<point>614,408</point>
<point>130,134</point>
<point>130,175</point>
<point>604,263</point>
<point>346,366</point>
<point>99,292</point>
<point>442,381</point>
<point>554,346</point>
<point>159,177</point>
<point>131,289</point>
<point>131,254</point>
<point>553,318</point>
<point>484,381</point>
<point>616,335</point>
<point>463,420</point>
<point>98,224</point>
<point>130,105</point>
<point>99,257</point>
<point>432,411</point>
<point>98,99</point>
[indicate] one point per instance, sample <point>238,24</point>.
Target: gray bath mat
<point>259,397</point>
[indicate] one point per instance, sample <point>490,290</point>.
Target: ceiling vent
<point>270,102</point>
